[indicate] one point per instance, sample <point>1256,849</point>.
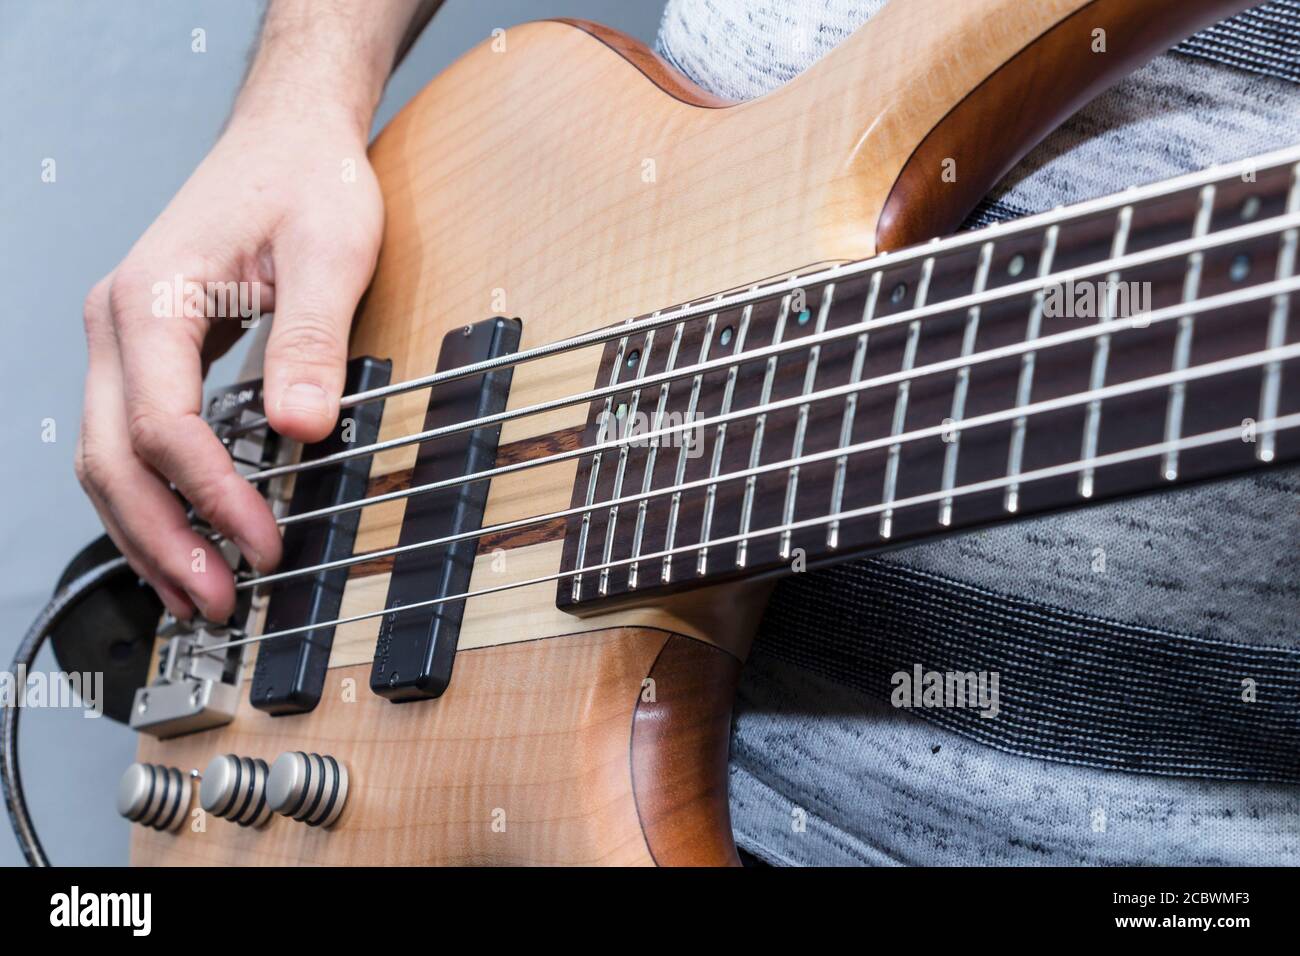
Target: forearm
<point>329,57</point>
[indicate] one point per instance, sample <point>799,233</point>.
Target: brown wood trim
<point>1022,101</point>
<point>566,439</point>
<point>651,64</point>
<point>552,530</point>
<point>393,481</point>
<point>679,755</point>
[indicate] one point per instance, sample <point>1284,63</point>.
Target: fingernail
<point>305,397</point>
<point>253,556</point>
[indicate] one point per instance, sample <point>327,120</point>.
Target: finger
<point>139,511</point>
<point>319,281</point>
<point>162,384</point>
<point>175,600</point>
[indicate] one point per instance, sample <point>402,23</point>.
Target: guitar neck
<point>1129,344</point>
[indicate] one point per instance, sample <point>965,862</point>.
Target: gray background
<point>113,93</point>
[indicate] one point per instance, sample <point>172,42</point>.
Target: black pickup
<point>290,670</point>
<point>415,650</point>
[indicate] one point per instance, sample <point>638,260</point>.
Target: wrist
<point>272,100</point>
<point>326,62</point>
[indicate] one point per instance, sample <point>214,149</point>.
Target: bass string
<point>1015,413</point>
<point>1265,227</point>
<point>1220,436</point>
<point>1252,167</point>
<point>1042,343</point>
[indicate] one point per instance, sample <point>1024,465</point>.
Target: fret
<point>651,455</point>
<point>1183,338</point>
<point>1025,383</point>
<point>628,421</point>
<point>602,434</point>
<point>1277,323</point>
<point>1101,355</point>
<point>850,411</point>
<point>900,401</point>
<point>801,424</point>
<point>995,371</point>
<point>675,506</point>
<point>969,334</point>
<point>719,442</point>
<point>756,444</point>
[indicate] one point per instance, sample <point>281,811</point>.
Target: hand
<point>289,205</point>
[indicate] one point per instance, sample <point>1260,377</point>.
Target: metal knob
<point>234,788</point>
<point>310,788</point>
<point>154,796</point>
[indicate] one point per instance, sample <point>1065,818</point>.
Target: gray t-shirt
<point>823,773</point>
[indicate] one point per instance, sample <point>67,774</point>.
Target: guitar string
<point>1206,439</point>
<point>1252,167</point>
<point>1047,406</point>
<point>1277,224</point>
<point>1041,343</point>
<point>1264,228</point>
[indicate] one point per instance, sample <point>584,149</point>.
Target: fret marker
<point>729,391</point>
<point>801,425</point>
<point>1239,271</point>
<point>900,401</point>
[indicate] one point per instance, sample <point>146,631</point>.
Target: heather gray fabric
<point>873,785</point>
<point>1220,561</point>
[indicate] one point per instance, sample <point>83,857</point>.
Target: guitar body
<point>563,175</point>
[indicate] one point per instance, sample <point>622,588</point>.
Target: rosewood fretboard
<point>933,353</point>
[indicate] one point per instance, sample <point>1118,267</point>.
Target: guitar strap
<point>1070,687</point>
<point>1264,40</point>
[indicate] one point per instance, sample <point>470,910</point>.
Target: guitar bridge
<point>194,690</point>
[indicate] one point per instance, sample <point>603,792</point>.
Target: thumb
<point>318,284</point>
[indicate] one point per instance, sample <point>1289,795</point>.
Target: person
<point>824,770</point>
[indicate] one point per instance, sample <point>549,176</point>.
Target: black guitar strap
<point>1264,39</point>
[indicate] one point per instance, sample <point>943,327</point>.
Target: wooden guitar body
<point>561,174</point>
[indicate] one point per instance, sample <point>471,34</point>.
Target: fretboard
<point>1129,344</point>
